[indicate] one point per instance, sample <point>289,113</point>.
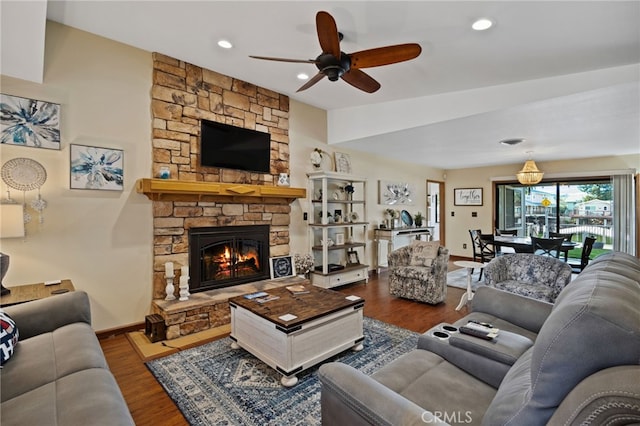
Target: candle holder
<point>184,288</point>
<point>169,288</point>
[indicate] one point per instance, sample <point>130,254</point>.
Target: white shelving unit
<point>327,197</point>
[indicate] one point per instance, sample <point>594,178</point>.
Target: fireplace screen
<point>227,256</point>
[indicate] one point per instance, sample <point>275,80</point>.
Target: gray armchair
<point>422,283</point>
<point>530,275</point>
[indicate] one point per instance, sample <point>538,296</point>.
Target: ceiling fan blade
<point>328,34</point>
<point>384,55</point>
<point>303,61</point>
<point>361,80</point>
<point>313,80</point>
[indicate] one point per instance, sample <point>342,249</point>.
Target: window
<point>577,209</point>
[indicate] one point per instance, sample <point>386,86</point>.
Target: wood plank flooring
<point>150,405</point>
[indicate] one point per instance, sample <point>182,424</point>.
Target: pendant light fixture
<point>530,174</point>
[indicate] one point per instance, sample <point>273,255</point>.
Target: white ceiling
<point>563,75</point>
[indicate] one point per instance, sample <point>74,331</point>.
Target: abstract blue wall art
<point>28,122</point>
<point>97,168</point>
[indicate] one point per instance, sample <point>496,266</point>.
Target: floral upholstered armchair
<point>419,272</point>
<point>538,277</point>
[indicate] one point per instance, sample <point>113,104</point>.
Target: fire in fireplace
<point>227,255</point>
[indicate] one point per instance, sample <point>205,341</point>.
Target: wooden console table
<point>29,292</point>
<point>396,238</point>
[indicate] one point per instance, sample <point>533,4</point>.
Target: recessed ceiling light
<point>225,44</point>
<point>482,24</point>
<point>303,76</point>
<point>512,142</point>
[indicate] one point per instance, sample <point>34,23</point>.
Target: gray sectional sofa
<point>58,374</point>
<point>574,362</point>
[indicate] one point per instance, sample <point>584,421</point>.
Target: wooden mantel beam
<point>170,189</point>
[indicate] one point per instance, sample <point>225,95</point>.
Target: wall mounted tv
<point>231,147</point>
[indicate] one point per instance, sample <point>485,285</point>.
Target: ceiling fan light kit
<point>336,64</point>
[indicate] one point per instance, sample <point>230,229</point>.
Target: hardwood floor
<point>150,405</point>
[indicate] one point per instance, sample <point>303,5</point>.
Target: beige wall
<point>457,227</point>
<point>308,131</point>
<point>103,240</point>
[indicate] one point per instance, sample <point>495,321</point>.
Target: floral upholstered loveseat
<point>421,278</point>
<point>527,274</point>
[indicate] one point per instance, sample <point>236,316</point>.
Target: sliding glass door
<point>576,209</point>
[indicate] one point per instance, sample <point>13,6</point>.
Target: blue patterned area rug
<point>213,384</point>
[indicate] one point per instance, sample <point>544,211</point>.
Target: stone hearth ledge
<point>209,309</point>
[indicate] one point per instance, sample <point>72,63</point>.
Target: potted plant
<point>392,217</point>
<point>417,219</point>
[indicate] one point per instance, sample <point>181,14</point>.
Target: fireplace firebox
<point>224,256</point>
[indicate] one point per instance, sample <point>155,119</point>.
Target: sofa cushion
<point>8,337</point>
<point>50,356</point>
<point>423,252</point>
<point>88,397</point>
<point>413,373</point>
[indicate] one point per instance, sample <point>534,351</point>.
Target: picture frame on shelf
<point>343,162</point>
<point>340,239</point>
<point>282,267</point>
<point>467,196</point>
<point>352,258</point>
<point>93,167</point>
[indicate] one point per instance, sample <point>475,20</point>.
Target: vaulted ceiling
<point>563,75</point>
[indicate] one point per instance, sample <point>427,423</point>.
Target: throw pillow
<point>423,252</point>
<point>8,337</point>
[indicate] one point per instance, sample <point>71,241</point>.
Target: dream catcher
<point>25,174</point>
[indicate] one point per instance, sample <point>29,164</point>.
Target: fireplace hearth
<point>225,256</point>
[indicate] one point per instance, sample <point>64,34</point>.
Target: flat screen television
<point>231,147</point>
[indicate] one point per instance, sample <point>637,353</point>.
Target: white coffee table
<point>324,323</point>
<point>468,295</point>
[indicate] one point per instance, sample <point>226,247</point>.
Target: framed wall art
<point>92,167</point>
<point>343,162</point>
<point>393,193</point>
<point>467,196</point>
<point>29,122</point>
<point>282,267</point>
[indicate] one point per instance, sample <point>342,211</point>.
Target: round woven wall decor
<point>23,174</point>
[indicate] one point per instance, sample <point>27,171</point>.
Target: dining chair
<point>587,246</point>
<point>547,246</point>
<point>567,237</point>
<point>483,247</point>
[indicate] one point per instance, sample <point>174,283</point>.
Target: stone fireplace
<point>182,95</point>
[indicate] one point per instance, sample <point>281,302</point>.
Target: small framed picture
<point>282,267</point>
<point>92,167</point>
<point>343,162</point>
<point>467,197</point>
<point>352,258</point>
<point>340,239</point>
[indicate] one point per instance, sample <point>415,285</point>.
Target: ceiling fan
<point>334,63</point>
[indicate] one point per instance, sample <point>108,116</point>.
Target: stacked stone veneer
<point>182,95</point>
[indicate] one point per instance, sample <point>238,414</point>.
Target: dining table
<point>524,245</point>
